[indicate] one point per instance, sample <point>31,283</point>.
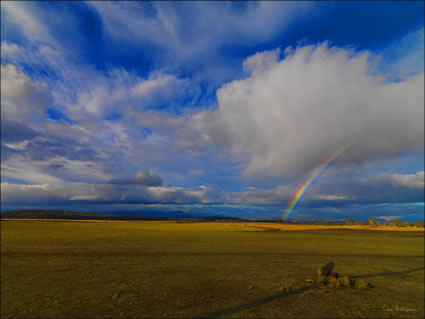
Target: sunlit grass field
<point>168,269</point>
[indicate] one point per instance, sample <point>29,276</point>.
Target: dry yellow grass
<point>259,226</point>
<point>163,269</point>
<point>317,227</point>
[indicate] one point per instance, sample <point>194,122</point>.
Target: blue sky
<point>213,108</point>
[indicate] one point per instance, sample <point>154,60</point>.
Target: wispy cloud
<point>22,15</point>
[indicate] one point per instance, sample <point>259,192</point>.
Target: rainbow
<point>312,178</point>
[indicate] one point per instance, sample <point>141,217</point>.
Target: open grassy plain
<point>165,269</point>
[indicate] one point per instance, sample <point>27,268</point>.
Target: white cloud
<point>31,170</point>
<point>20,13</point>
<point>146,87</point>
<point>162,30</point>
<point>9,49</point>
<point>165,25</point>
<point>404,57</point>
<point>389,218</point>
<point>26,171</point>
<point>15,192</point>
<point>17,146</point>
<point>84,197</point>
<point>261,61</point>
<point>19,94</point>
<point>120,88</point>
<point>407,180</point>
<point>331,197</point>
<point>47,192</point>
<point>135,194</point>
<point>286,118</point>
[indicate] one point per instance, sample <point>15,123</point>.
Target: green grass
<point>151,269</point>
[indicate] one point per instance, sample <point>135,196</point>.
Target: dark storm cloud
<point>15,132</point>
<point>49,146</point>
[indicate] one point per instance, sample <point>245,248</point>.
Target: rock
<point>332,282</point>
<point>328,279</point>
<point>361,284</point>
<point>346,281</point>
<point>339,283</point>
<point>325,270</point>
<point>323,281</point>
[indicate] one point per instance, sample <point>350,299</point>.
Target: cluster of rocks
<point>326,279</point>
<point>331,279</point>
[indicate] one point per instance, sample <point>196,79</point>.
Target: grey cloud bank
<point>142,177</point>
<point>48,194</point>
<point>372,191</point>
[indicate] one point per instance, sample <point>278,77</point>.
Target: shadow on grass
<point>389,273</point>
<point>253,304</point>
<point>262,301</point>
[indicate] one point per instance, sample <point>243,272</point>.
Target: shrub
<point>349,221</point>
<point>419,224</point>
<point>395,223</point>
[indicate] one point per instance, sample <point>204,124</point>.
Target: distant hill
<point>64,214</point>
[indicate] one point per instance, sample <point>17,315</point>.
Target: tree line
<point>372,221</point>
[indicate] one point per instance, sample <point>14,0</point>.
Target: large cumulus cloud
<point>290,114</point>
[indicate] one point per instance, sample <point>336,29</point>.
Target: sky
<point>213,108</point>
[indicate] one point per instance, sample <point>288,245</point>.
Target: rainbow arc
<point>311,179</point>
